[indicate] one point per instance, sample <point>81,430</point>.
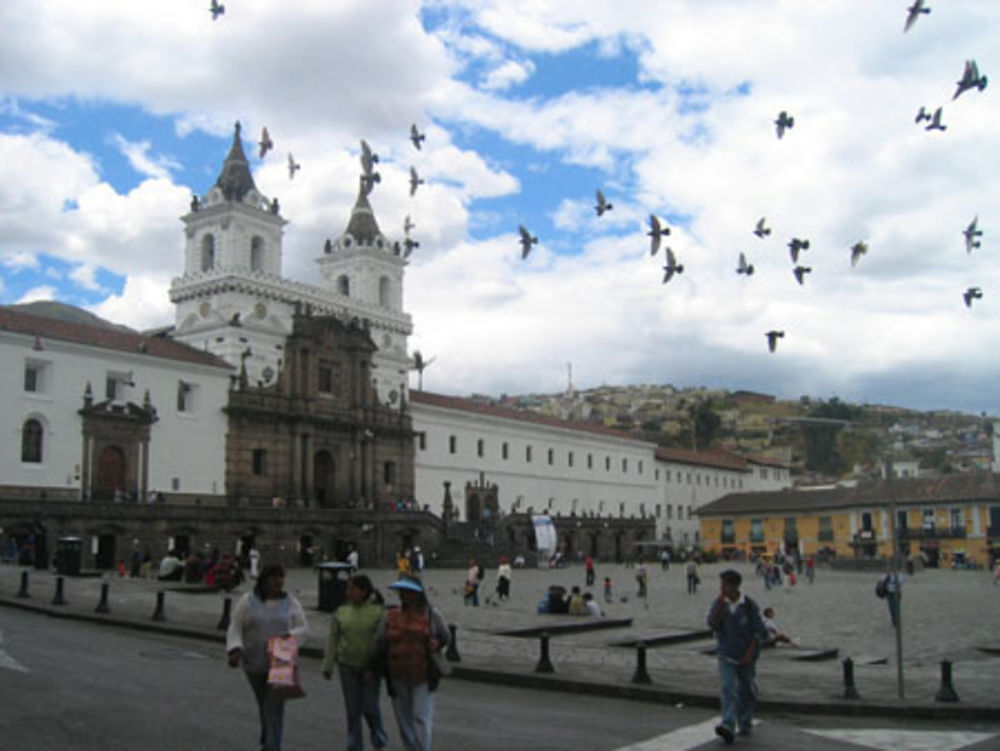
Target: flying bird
<point>760,230</point>
<point>772,339</point>
<point>293,166</point>
<point>656,232</point>
<point>416,136</point>
<point>410,245</point>
<point>602,204</point>
<point>783,123</point>
<point>935,123</point>
<point>972,293</point>
<point>368,159</point>
<point>800,273</point>
<point>672,266</point>
<point>970,79</point>
<point>414,180</point>
<point>216,9</point>
<point>795,246</point>
<point>266,144</point>
<point>922,114</point>
<point>744,267</point>
<point>971,233</point>
<point>857,250</point>
<point>527,240</point>
<point>368,182</point>
<point>913,13</point>
<point>408,225</point>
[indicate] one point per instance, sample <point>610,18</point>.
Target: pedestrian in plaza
<point>591,574</point>
<point>739,631</point>
<point>608,596</point>
<point>503,578</point>
<point>642,579</point>
<point>408,646</point>
<point>576,604</point>
<point>775,635</point>
<point>996,572</point>
<point>352,559</point>
<point>890,588</point>
<point>254,556</point>
<point>266,611</point>
<point>811,569</point>
<point>665,560</point>
<point>350,645</point>
<point>473,578</point>
<point>691,572</point>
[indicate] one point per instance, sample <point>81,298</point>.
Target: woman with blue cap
<point>408,639</point>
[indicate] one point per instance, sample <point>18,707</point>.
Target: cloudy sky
<point>112,114</point>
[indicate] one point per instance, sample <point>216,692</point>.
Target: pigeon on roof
<point>760,229</point>
<point>913,13</point>
<point>416,136</point>
<point>266,144</point>
<point>410,245</point>
<point>672,266</point>
<point>971,233</point>
<point>602,204</point>
<point>970,79</point>
<point>293,166</point>
<point>408,225</point>
<point>783,123</point>
<point>527,240</point>
<point>857,250</point>
<point>772,339</point>
<point>744,267</point>
<point>368,158</point>
<point>656,232</point>
<point>415,180</point>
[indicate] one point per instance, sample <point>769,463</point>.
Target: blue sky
<point>528,109</point>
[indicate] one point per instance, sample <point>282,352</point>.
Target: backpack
<point>882,587</point>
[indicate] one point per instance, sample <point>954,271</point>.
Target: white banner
<point>545,533</point>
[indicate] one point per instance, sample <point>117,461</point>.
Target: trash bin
<point>69,550</point>
<point>332,585</point>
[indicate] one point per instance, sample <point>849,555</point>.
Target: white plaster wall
<point>537,484</point>
<point>188,446</point>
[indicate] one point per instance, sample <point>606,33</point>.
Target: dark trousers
<point>271,709</point>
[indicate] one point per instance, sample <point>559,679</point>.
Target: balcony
<point>930,533</point>
<point>825,535</point>
<point>729,537</point>
<point>993,530</point>
<point>756,537</point>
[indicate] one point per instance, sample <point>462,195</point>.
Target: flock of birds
<point>971,79</point>
<point>658,229</point>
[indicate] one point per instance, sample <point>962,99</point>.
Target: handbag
<point>283,674</point>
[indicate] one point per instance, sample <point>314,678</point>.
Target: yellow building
<point>952,518</point>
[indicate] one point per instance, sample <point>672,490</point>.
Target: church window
<point>34,378</point>
<point>607,464</point>
<point>624,465</point>
<point>503,450</point>
<point>552,456</point>
<point>185,396</point>
<point>452,444</point>
<point>344,285</point>
<point>423,441</point>
<point>527,454</point>
<point>640,466</point>
<point>260,461</point>
<point>480,447</point>
<point>590,461</point>
<point>257,253</point>
<point>325,378</point>
<point>569,459</point>
<point>207,252</point>
<point>31,441</point>
<point>389,472</point>
<point>384,292</point>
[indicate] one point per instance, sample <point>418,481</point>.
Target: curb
<point>835,705</point>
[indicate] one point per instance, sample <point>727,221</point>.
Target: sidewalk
<point>838,612</point>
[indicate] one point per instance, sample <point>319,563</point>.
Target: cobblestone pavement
<point>947,615</point>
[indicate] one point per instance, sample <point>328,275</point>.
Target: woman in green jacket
<point>350,644</point>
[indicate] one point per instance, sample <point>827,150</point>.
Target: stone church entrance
<point>110,476</point>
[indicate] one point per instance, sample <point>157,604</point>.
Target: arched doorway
<point>110,473</point>
<point>324,479</point>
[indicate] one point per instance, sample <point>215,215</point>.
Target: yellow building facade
<point>950,520</point>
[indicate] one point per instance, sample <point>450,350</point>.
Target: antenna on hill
<point>569,378</point>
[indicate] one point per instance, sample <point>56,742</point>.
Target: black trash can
<point>69,551</point>
<point>332,585</point>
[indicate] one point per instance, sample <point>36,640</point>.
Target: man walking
<point>739,632</point>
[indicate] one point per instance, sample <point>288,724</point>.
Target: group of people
<point>367,644</point>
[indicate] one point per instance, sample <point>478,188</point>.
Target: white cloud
<point>508,74</point>
<point>17,261</point>
<point>85,276</point>
<point>137,153</point>
<point>36,294</point>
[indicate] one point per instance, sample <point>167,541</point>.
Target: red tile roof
<point>714,458</point>
<point>469,405</point>
<point>95,336</point>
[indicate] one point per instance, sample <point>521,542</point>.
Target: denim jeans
<point>361,699</point>
<point>414,709</point>
<point>739,694</point>
<point>271,709</point>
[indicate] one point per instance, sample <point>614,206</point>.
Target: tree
<point>821,437</point>
<point>705,424</point>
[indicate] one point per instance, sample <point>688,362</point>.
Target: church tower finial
<point>235,180</point>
